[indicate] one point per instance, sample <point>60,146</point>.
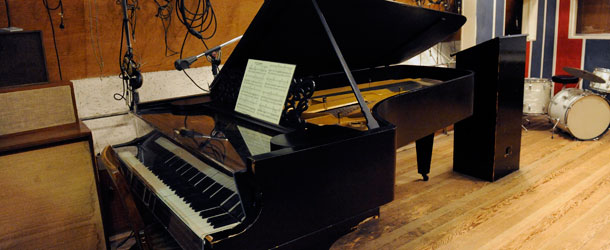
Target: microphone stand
<point>213,53</point>
<point>129,67</point>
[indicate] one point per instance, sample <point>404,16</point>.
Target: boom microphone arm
<point>185,63</point>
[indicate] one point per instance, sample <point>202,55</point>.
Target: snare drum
<point>536,96</point>
<point>581,113</point>
<point>603,87</point>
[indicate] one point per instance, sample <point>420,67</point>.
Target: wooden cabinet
<point>48,186</point>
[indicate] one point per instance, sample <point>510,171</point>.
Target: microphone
<point>185,63</point>
<point>61,25</point>
<point>184,132</point>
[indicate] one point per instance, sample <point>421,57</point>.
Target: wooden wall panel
<point>76,44</point>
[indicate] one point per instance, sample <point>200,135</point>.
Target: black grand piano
<point>219,179</point>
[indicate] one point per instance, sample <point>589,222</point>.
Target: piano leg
<point>423,148</point>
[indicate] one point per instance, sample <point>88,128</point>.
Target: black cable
<point>132,18</point>
<point>59,5</point>
<point>8,13</point>
<point>187,75</point>
<point>124,94</point>
<point>164,12</point>
<point>206,90</point>
<point>197,23</point>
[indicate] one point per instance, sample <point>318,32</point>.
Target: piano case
<point>305,185</point>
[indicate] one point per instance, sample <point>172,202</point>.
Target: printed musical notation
<point>264,89</point>
<point>257,142</point>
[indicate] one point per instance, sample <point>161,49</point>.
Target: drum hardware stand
<point>527,122</point>
<point>553,129</point>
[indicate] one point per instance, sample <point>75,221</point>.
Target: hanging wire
<point>124,95</point>
<point>8,13</point>
<point>200,22</point>
<point>95,42</point>
<point>164,12</point>
<point>60,5</point>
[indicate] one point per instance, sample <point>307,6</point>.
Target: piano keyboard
<point>205,199</point>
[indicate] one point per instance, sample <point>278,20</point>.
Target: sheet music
<point>264,89</point>
<point>257,143</point>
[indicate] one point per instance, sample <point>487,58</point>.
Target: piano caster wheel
<point>425,177</point>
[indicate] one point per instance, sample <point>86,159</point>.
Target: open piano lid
<point>370,33</point>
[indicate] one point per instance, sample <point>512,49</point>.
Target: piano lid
<point>370,33</point>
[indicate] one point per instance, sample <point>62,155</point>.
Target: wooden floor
<point>559,199</point>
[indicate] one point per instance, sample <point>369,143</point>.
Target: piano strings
<point>338,106</point>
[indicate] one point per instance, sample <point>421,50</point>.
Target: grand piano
<point>220,179</point>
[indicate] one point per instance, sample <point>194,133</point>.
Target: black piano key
<point>221,196</point>
<point>221,220</point>
<point>237,212</point>
<point>162,157</point>
<point>226,221</point>
<point>203,203</point>
<point>184,190</point>
<point>189,173</point>
<point>196,178</point>
<point>204,184</point>
<point>227,205</point>
<point>211,212</point>
<point>180,166</point>
<point>183,169</point>
<point>212,190</point>
<point>170,160</point>
<point>192,198</point>
<point>174,163</point>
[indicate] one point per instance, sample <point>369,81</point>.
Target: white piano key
<point>200,226</point>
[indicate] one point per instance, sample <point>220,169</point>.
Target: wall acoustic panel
<point>49,199</point>
<point>38,107</point>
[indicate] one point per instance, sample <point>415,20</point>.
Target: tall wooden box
<point>488,144</point>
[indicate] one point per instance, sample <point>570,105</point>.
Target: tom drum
<point>536,96</point>
<point>581,113</point>
<point>603,87</point>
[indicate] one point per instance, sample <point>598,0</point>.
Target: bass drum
<point>536,96</point>
<point>583,114</point>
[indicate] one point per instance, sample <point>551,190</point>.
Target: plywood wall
<point>89,22</point>
<point>89,44</point>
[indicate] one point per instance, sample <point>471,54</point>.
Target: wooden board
<point>49,199</point>
<point>90,22</point>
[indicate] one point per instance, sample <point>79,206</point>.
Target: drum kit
<point>584,114</point>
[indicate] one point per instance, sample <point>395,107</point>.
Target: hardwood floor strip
<point>557,221</point>
<point>489,197</point>
<point>591,230</point>
<point>561,188</point>
<point>538,211</point>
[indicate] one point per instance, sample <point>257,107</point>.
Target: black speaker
<point>488,144</point>
<point>22,58</point>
